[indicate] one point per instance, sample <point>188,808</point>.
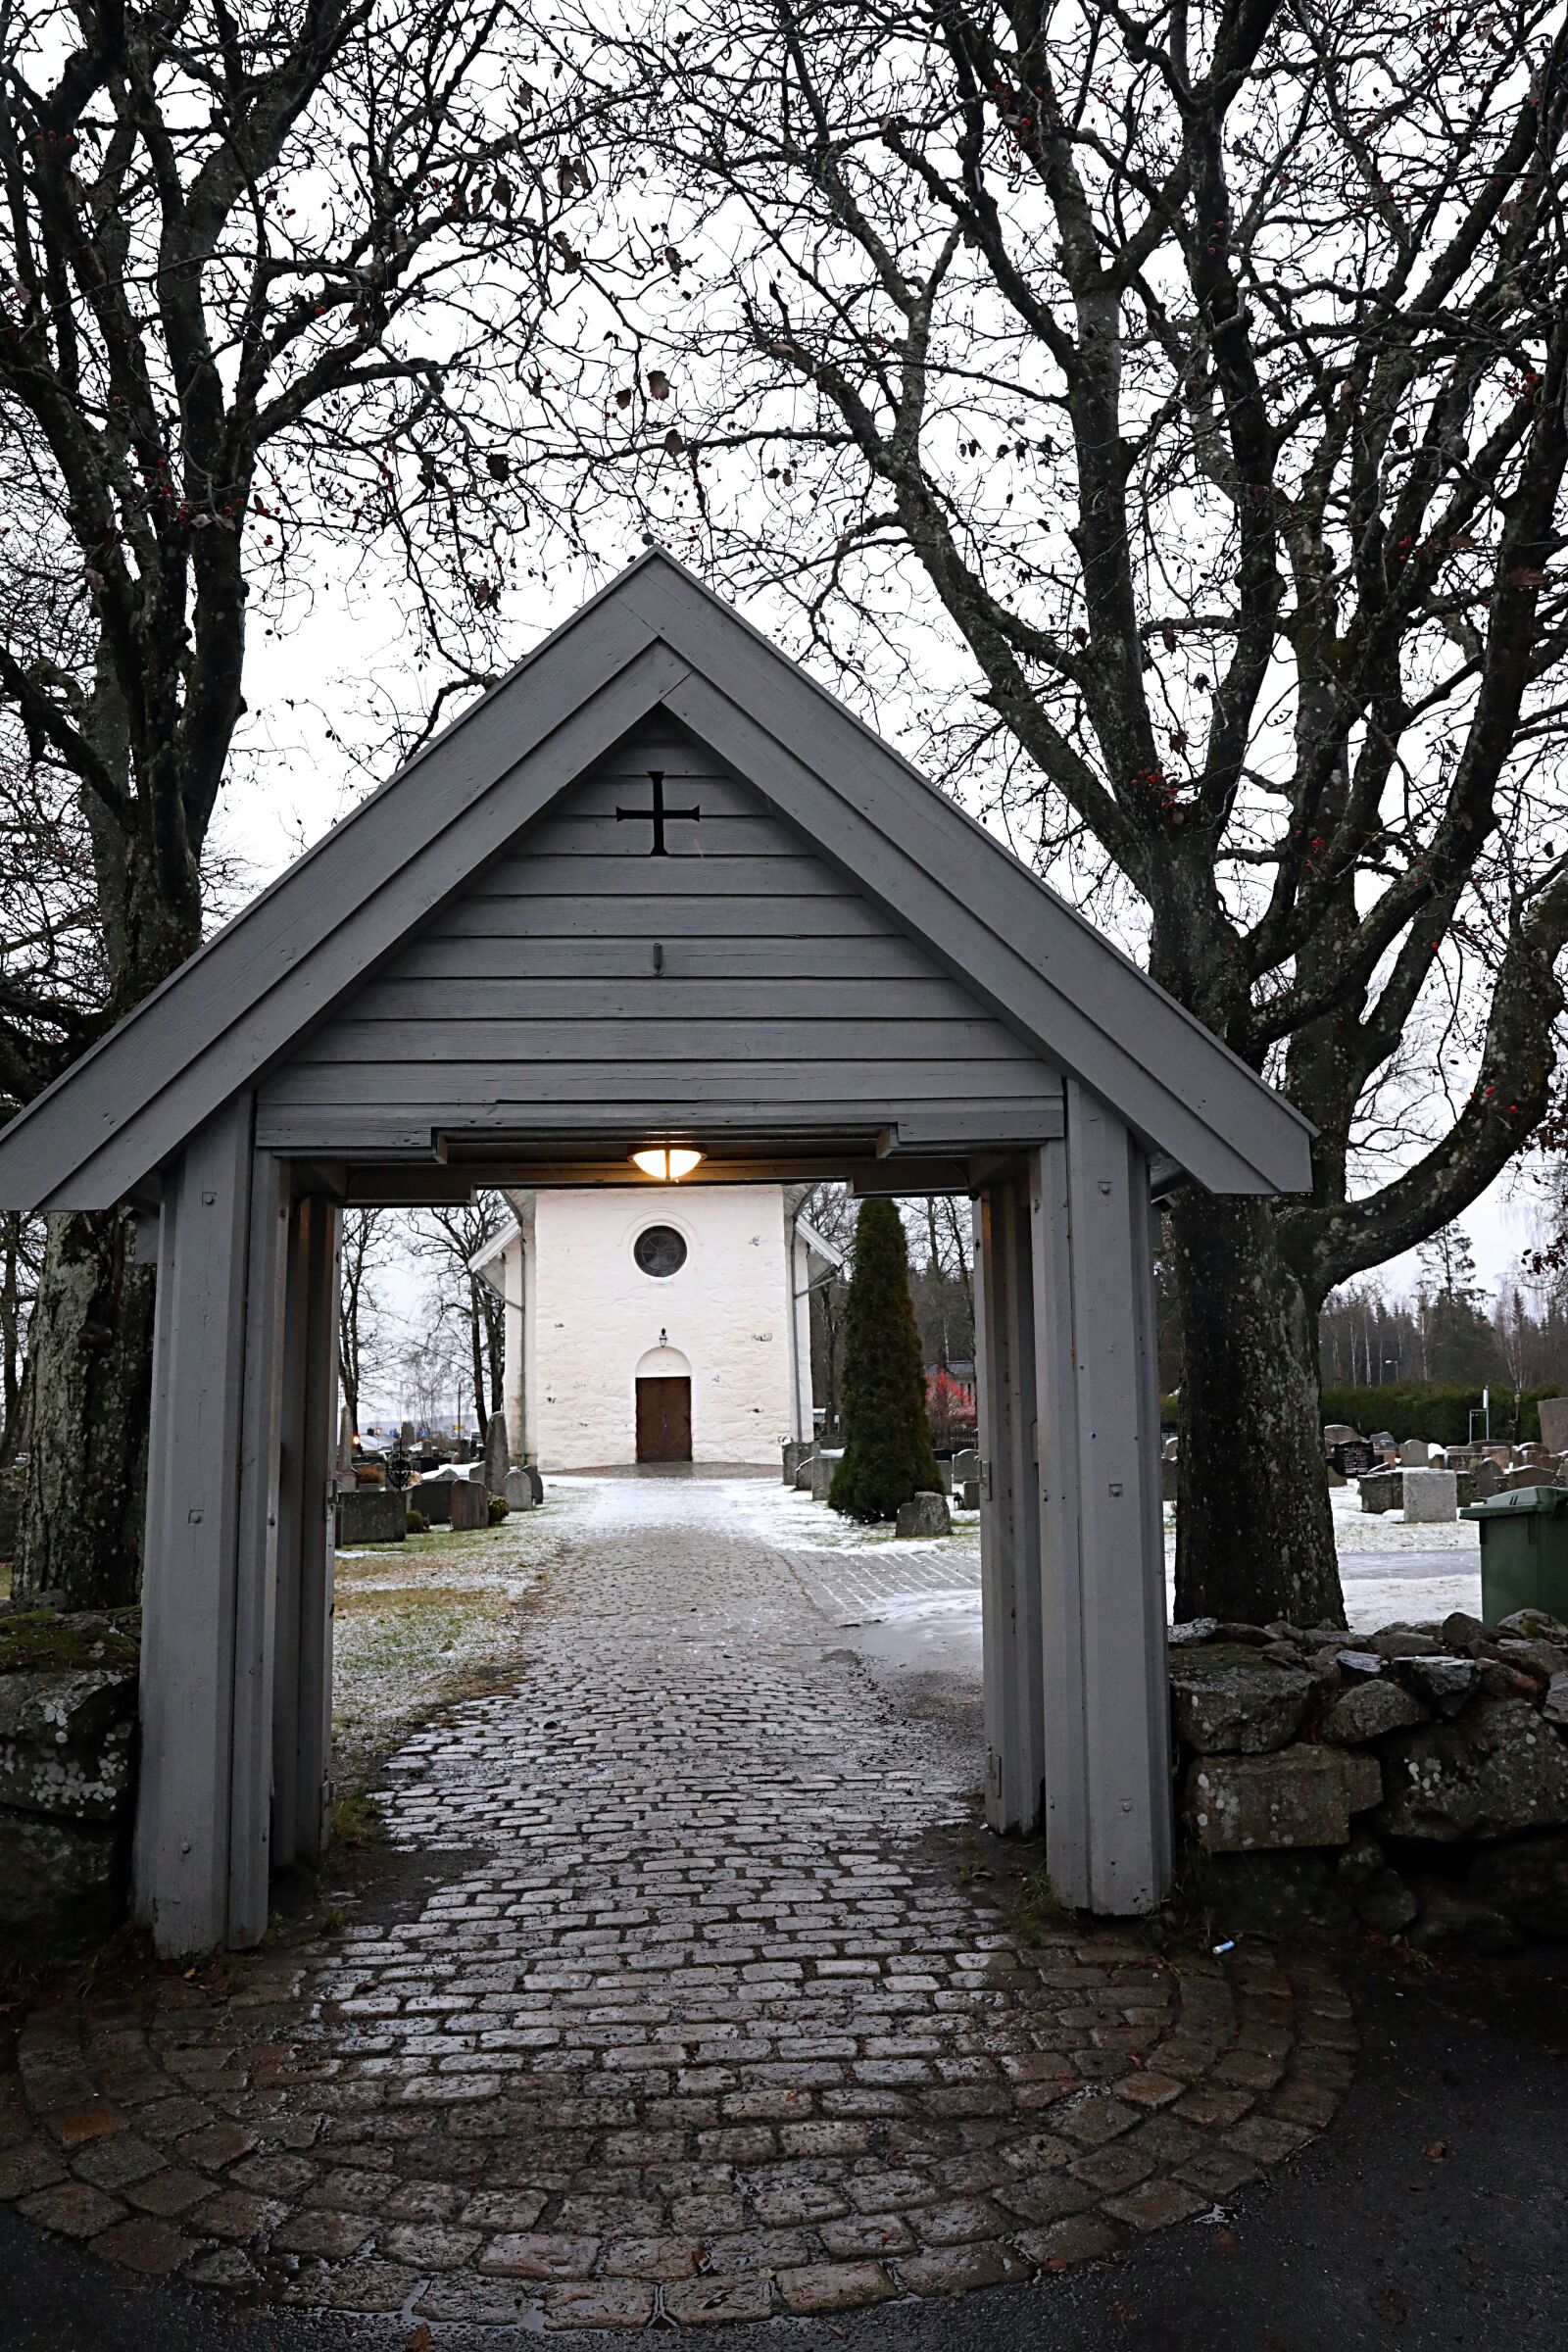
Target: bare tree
<point>365,1253</point>
<point>1166,411</point>
<point>447,1240</point>
<point>270,282</point>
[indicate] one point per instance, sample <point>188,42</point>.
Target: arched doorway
<point>664,1388</point>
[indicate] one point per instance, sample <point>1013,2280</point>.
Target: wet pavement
<point>683,2006</point>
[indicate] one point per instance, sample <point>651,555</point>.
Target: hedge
<point>1425,1408</point>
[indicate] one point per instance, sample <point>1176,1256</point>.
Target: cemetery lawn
<point>423,1623</point>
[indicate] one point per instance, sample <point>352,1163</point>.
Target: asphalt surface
<point>1434,2212</point>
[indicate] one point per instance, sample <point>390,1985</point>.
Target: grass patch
<point>357,1820</point>
<point>1036,1909</point>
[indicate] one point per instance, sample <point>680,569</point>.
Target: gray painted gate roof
<point>655,637</point>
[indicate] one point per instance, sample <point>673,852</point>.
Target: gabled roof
<point>655,636</point>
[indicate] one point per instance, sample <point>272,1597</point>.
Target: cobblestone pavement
<point>700,2024</point>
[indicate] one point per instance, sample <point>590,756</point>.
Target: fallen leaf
<point>1436,2151</point>
<point>421,2340</point>
<point>1475,2258</point>
<point>1225,2240</point>
<point>1391,2306</point>
<point>1271,2340</point>
<point>1125,2310</point>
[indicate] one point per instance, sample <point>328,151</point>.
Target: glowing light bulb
<point>666,1163</point>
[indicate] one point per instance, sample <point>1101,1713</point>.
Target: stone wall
<point>1414,1780</point>
<point>67,1728</point>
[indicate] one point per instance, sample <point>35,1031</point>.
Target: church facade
<point>656,1324</point>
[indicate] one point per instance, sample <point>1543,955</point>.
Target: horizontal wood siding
<point>580,981</point>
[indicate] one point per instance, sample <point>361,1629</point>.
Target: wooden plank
<point>658,878</point>
<point>181,1859</point>
<point>761,1091</point>
<point>690,775</point>
<point>313,1770</point>
<point>1108,1773</point>
<point>256,1555</point>
<point>756,834</point>
<point>587,956</point>
<point>664,995</point>
<point>681,915</point>
<point>658,1038</point>
<point>292,994</point>
<point>1009,1509</point>
<point>292,1514</point>
<point>371,1130</point>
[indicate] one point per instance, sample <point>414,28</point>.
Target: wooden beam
<point>256,1554</point>
<point>194,1487</point>
<point>303,1682</point>
<point>1106,1707</point>
<point>1009,1508</point>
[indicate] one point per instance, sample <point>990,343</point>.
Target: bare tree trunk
<point>1252,1511</point>
<point>90,1379</point>
<point>11,1336</point>
<point>481,1413</point>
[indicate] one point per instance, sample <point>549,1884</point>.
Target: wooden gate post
<point>201,1846</point>
<point>302,1703</point>
<point>1009,1507</point>
<point>1106,1705</point>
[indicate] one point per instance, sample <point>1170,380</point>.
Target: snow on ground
<point>414,1623</point>
<point>1389,1571</point>
<point>422,1622</point>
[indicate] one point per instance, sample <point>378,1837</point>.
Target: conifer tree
<point>887,1444</point>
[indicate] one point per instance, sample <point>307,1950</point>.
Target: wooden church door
<point>664,1420</point>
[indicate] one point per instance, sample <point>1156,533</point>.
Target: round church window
<point>659,1250</point>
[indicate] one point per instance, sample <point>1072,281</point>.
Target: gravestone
<point>1352,1457</point>
<point>433,1496</point>
<point>820,1468</point>
<point>497,1454</point>
<point>966,1466</point>
<point>372,1515</point>
<point>923,1515</point>
<point>1415,1454</point>
<point>1430,1497</point>
<point>796,1452</point>
<point>1553,1412</point>
<point>407,1437</point>
<point>1340,1432</point>
<point>1381,1441</point>
<point>518,1490</point>
<point>945,1473</point>
<point>470,1503</point>
<point>1485,1479</point>
<point>1383,1490</point>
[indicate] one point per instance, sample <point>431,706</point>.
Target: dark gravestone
<point>433,1496</point>
<point>372,1515</point>
<point>470,1503</point>
<point>1352,1457</point>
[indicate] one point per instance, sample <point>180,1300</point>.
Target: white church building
<point>657,1323</point>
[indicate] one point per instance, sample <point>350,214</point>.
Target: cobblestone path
<point>699,2026</point>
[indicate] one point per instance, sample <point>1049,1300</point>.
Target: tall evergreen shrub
<point>887,1444</point>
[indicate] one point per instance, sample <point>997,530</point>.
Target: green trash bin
<point>1524,1551</point>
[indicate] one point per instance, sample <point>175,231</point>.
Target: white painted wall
<point>593,1317</point>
